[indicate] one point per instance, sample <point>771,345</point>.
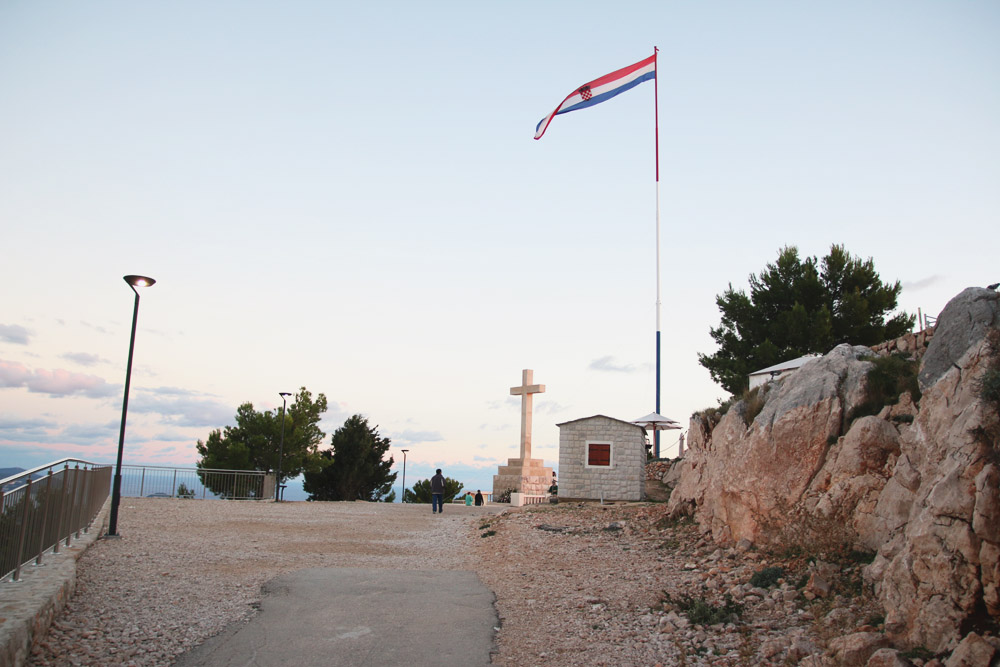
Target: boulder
<point>856,648</point>
<point>887,657</point>
<point>742,479</point>
<point>973,651</point>
<point>962,324</point>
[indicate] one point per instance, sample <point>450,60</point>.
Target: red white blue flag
<point>601,90</point>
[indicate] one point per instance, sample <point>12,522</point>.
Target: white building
<point>601,458</point>
<point>757,378</point>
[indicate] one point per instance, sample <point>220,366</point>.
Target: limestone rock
<point>961,325</point>
<point>919,484</point>
<point>887,657</point>
<point>856,648</point>
<point>974,651</point>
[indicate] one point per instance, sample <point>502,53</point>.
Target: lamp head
<point>404,450</point>
<point>284,393</point>
<point>140,281</point>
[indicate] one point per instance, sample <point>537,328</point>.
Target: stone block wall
<point>913,344</point>
<point>623,480</point>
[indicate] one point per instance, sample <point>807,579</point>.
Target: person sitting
<point>468,499</point>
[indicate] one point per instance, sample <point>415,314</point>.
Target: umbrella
<point>657,422</point>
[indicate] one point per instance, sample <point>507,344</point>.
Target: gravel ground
<point>184,569</point>
<point>576,584</point>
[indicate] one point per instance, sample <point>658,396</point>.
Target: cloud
<point>411,437</point>
<point>56,382</point>
<point>25,430</point>
<point>510,401</point>
<point>180,407</point>
<point>89,434</point>
<point>916,285</point>
<point>609,365</point>
<point>14,333</point>
<point>496,427</point>
<point>96,327</point>
<point>549,407</point>
<point>171,435</point>
<point>84,358</point>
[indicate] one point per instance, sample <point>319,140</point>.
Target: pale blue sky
<point>348,197</point>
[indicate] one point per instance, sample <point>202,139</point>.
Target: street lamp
<point>402,499</point>
<point>116,492</point>
<point>281,448</point>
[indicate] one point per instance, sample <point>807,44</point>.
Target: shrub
<point>864,557</point>
<point>794,531</point>
<point>888,378</point>
<point>989,386</point>
<point>701,612</point>
<point>754,402</point>
<point>767,577</point>
<point>184,492</point>
<point>503,497</point>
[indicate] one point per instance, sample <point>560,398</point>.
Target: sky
<point>347,197</point>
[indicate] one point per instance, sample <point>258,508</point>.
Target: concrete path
<point>349,617</point>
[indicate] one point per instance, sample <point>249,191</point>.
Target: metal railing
<point>165,482</point>
<point>46,506</point>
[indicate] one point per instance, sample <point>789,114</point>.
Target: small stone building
<point>601,457</point>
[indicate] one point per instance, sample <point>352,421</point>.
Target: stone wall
<point>913,344</point>
<point>624,480</point>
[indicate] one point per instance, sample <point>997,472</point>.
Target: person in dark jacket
<point>437,492</point>
<point>479,498</point>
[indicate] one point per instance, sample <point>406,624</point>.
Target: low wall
<point>913,344</point>
<point>28,606</point>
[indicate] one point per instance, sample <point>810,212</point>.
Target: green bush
<point>701,612</point>
<point>767,577</point>
<point>989,386</point>
<point>888,378</point>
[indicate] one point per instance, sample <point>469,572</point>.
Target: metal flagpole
<point>656,125</point>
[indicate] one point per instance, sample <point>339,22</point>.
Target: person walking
<point>479,498</point>
<point>437,492</point>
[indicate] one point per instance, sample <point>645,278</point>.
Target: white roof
<point>789,365</point>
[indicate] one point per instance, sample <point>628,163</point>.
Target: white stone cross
<point>525,391</point>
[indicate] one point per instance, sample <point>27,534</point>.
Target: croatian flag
<point>601,90</point>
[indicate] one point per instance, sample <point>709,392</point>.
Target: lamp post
<point>281,448</point>
<point>402,498</point>
<point>116,491</point>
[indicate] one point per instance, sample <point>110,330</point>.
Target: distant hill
<point>7,472</point>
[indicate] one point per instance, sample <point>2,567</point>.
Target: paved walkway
<point>349,617</point>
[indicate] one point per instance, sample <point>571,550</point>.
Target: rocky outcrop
<point>742,478</point>
<point>916,483</point>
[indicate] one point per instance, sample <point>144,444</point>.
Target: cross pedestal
<point>524,474</point>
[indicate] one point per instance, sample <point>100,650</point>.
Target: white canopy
<point>657,422</point>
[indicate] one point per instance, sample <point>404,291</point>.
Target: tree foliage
<point>421,491</point>
<point>254,442</point>
<point>799,306</point>
<point>354,468</point>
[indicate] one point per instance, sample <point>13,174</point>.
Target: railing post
<point>84,521</point>
<point>24,529</point>
<point>62,508</point>
<point>142,482</point>
<point>45,519</point>
<point>173,486</point>
<point>72,506</point>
